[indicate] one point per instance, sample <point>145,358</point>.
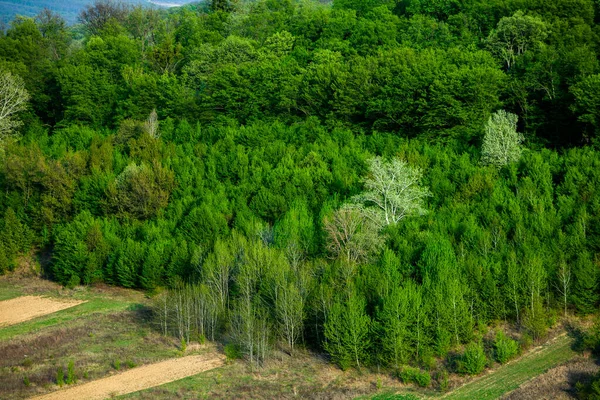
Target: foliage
<point>504,348</point>
<point>392,192</point>
<point>60,376</point>
<point>347,332</point>
<point>501,143</point>
<point>414,375</point>
<point>473,360</point>
<point>71,377</point>
<point>13,99</point>
<point>304,174</point>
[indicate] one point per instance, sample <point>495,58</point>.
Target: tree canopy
<point>377,180</point>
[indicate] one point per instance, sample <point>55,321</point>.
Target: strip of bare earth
<point>24,308</point>
<point>139,378</point>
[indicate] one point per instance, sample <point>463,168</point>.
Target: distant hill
<point>69,9</point>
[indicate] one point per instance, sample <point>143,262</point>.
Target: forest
<point>378,180</point>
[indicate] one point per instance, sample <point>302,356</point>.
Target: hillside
<point>402,186</point>
<point>69,9</point>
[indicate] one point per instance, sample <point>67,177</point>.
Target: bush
<point>589,390</point>
<point>415,375</point>
<point>535,323</point>
<point>60,376</point>
<point>27,363</point>
<point>443,380</point>
<point>505,348</point>
<point>73,282</point>
<point>183,345</point>
<point>473,360</point>
<point>591,339</point>
<point>201,339</point>
<point>428,361</point>
<point>26,380</point>
<point>71,378</point>
<point>526,341</point>
<point>232,351</point>
<point>117,364</point>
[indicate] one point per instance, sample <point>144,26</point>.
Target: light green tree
<point>502,142</point>
<point>393,192</point>
<point>394,318</point>
<point>347,331</point>
<point>515,35</point>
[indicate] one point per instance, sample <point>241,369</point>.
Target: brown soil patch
<point>139,378</point>
<point>25,308</point>
<point>557,383</point>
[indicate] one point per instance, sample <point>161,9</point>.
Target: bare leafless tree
<point>351,235</point>
<point>95,16</point>
<point>564,283</point>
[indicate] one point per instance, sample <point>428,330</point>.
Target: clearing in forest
<point>512,375</point>
<point>139,378</point>
<point>24,308</point>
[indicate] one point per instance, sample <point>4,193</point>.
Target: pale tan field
<point>139,378</point>
<point>24,308</point>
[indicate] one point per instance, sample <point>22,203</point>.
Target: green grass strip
<point>512,375</point>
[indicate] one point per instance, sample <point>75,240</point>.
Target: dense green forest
<point>380,180</point>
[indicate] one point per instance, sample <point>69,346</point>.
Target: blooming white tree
<point>502,142</point>
<point>13,99</point>
<point>393,192</point>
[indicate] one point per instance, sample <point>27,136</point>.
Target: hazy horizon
<point>69,9</point>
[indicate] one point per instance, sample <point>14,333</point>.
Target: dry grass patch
<point>494,383</point>
<point>559,382</point>
<point>98,345</point>
<point>303,376</point>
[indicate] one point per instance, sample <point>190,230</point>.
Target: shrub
<point>526,341</point>
<point>26,380</point>
<point>428,361</point>
<point>535,322</point>
<point>183,345</point>
<point>130,364</point>
<point>60,376</point>
<point>232,351</point>
<point>473,360</point>
<point>71,378</point>
<point>201,339</point>
<point>423,379</point>
<point>117,364</point>
<point>73,282</point>
<point>415,375</point>
<point>443,380</point>
<point>505,348</point>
